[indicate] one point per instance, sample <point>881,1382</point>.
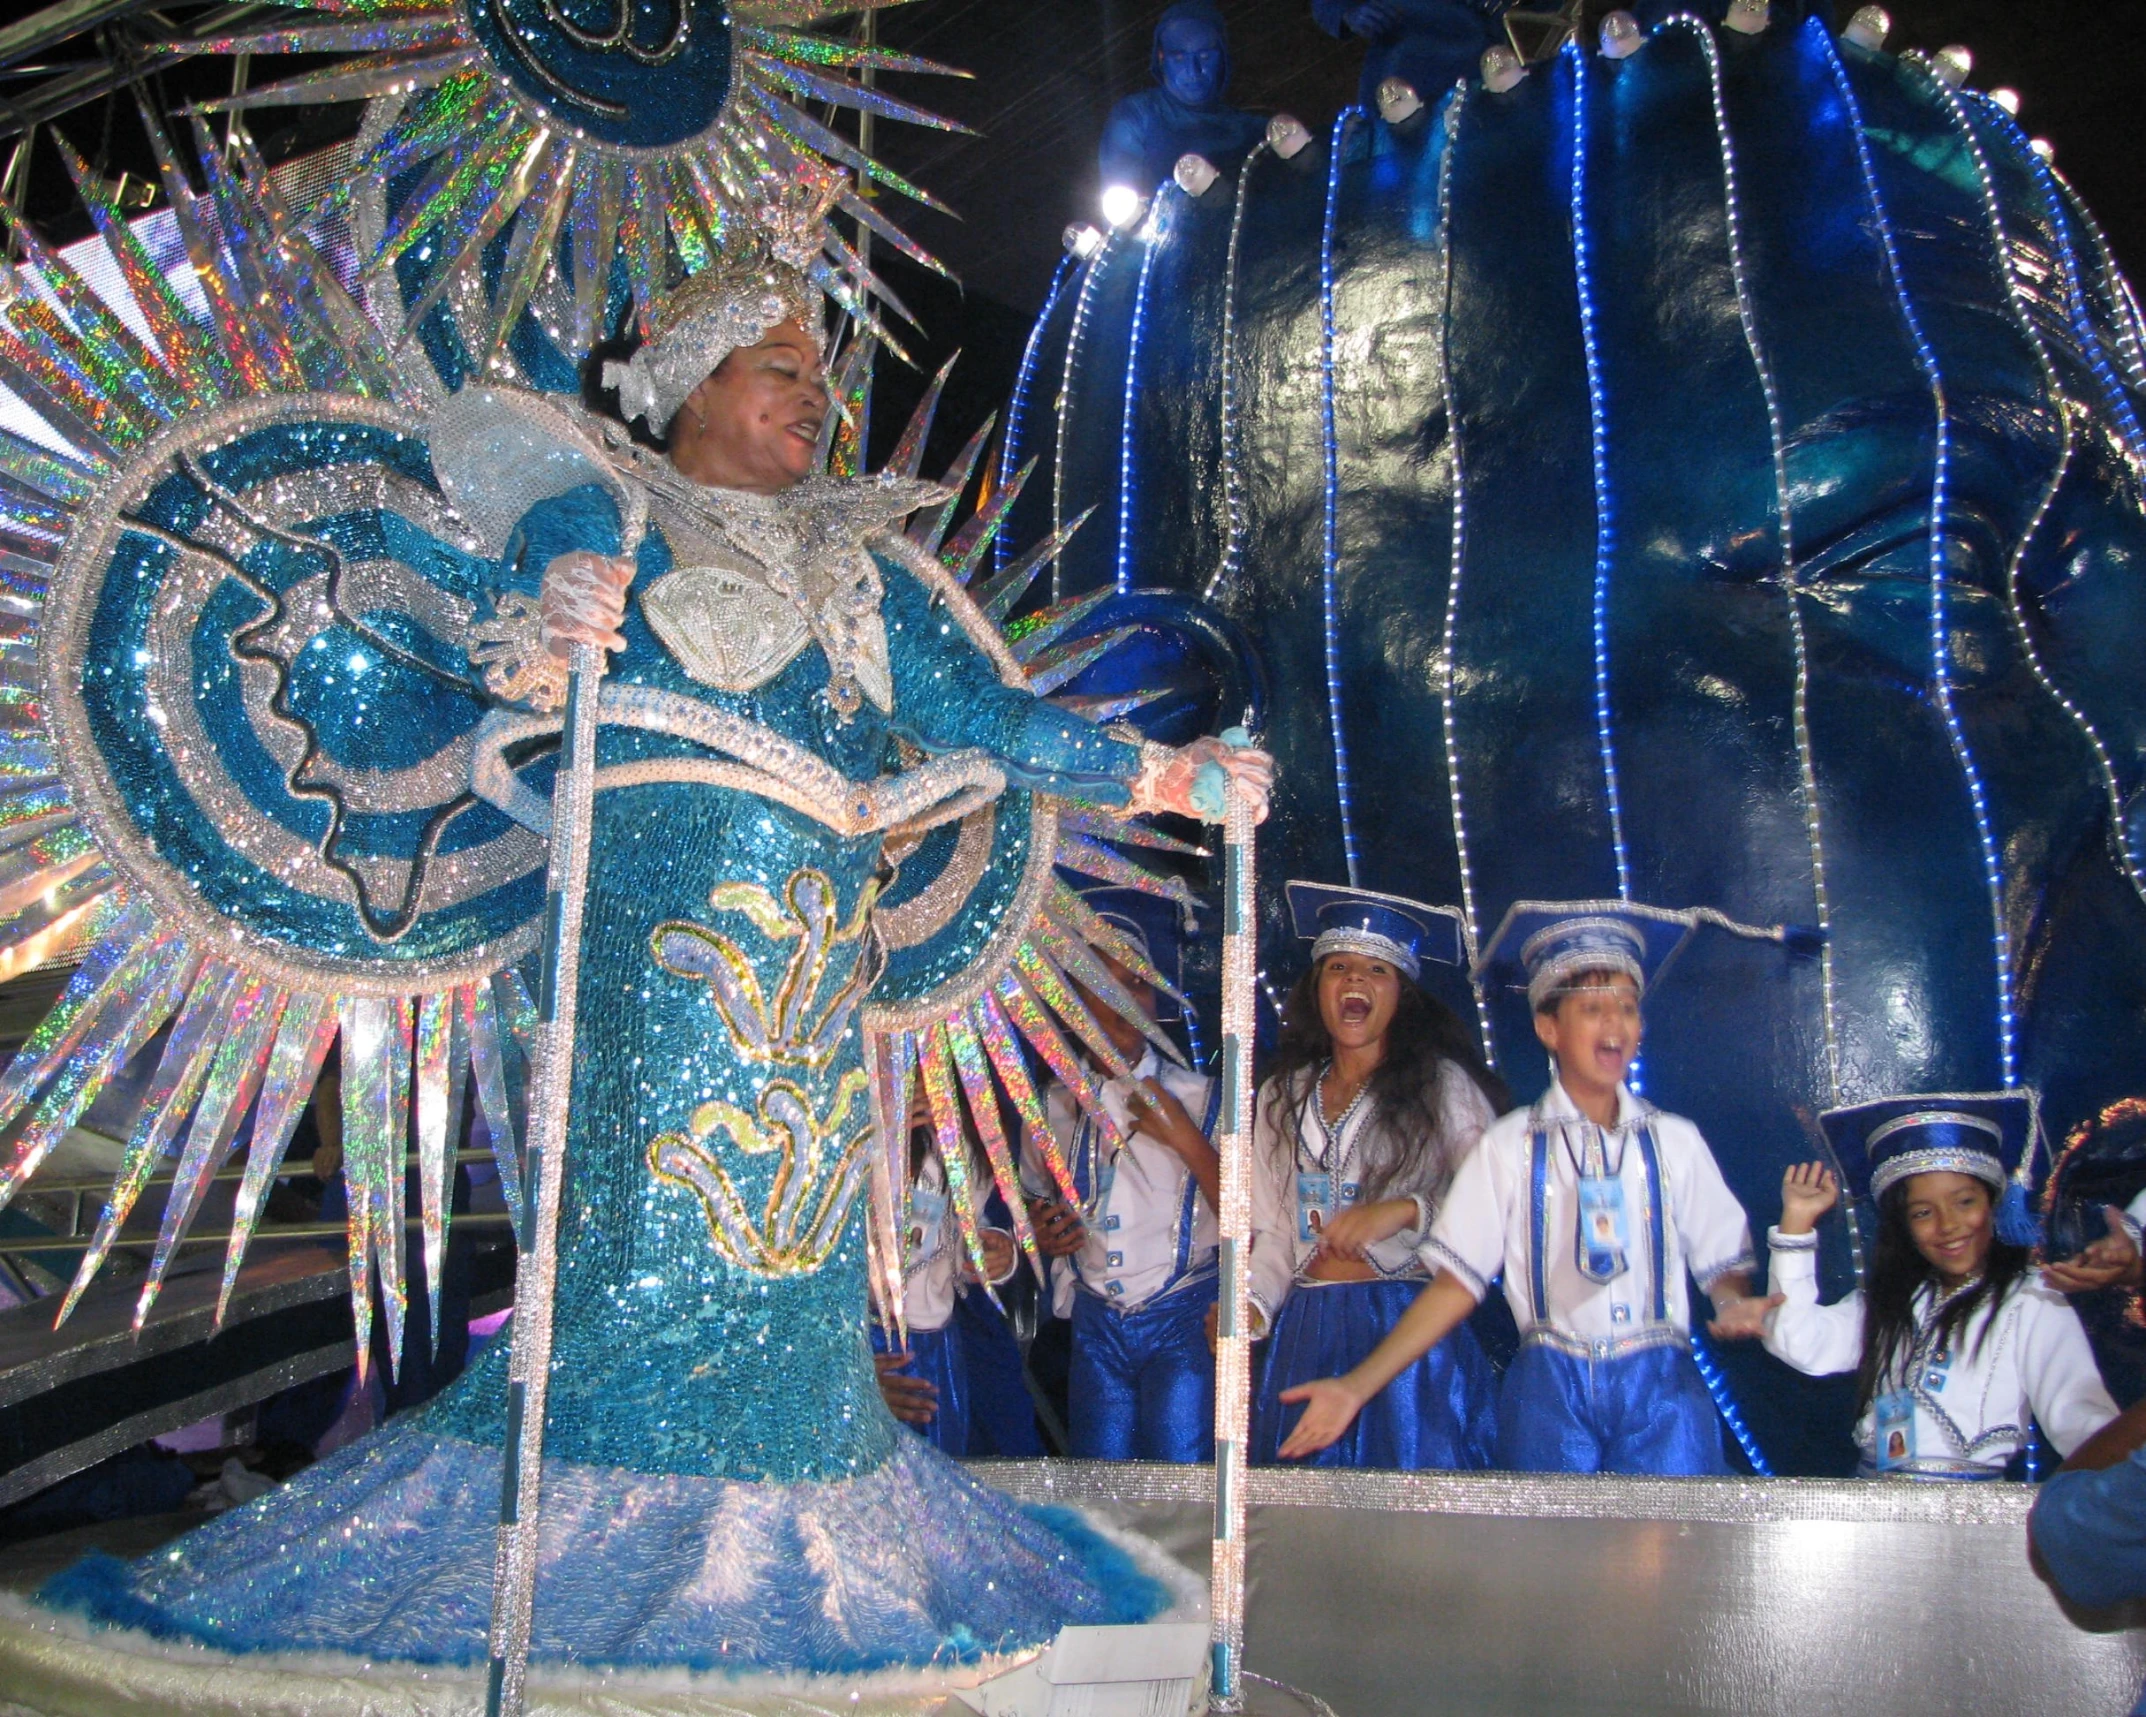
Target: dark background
<point>1046,73</point>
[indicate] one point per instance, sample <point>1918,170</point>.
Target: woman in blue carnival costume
<point>1375,1096</point>
<point>723,1486</point>
<point>1957,1345</point>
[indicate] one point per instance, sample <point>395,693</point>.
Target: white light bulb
<point>2043,147</point>
<point>1121,205</point>
<point>1398,100</point>
<point>1194,173</point>
<point>1621,35</point>
<point>1287,136</point>
<point>1502,69</point>
<point>1869,28</point>
<point>1953,63</point>
<point>2008,99</point>
<point>1083,240</point>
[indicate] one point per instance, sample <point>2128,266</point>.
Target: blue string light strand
<point>1456,560</point>
<point>1009,460</point>
<point>1331,536</point>
<point>1075,340</point>
<point>1717,1385</point>
<point>1598,425</point>
<point>1154,232</point>
<point>1232,465</point>
<point>1777,440</point>
<point>2060,406</point>
<point>1940,498</point>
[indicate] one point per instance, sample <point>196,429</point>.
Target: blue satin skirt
<point>1441,1412</point>
<point>936,1356</point>
<point>1142,1383</point>
<point>1644,1412</point>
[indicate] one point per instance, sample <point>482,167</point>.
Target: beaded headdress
<point>1982,1134</point>
<point>1402,932</point>
<point>752,288</point>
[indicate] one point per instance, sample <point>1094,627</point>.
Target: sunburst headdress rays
<point>641,134</point>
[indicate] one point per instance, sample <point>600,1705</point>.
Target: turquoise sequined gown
<point>723,1484</point>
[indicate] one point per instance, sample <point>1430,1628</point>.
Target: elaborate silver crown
<point>750,288</point>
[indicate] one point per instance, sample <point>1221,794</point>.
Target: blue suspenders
<point>1539,1220</point>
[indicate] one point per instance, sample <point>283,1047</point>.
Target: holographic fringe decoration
<point>1233,1336</point>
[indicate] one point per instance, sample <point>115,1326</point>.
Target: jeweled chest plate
<point>725,626</point>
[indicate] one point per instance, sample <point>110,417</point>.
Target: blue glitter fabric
<point>385,1549</point>
<point>1441,1412</point>
<point>1143,1382</point>
<point>723,1484</point>
<point>1644,1412</point>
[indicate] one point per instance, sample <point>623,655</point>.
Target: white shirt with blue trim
<point>1292,1165</point>
<point>1514,1208</point>
<point>1150,1228</point>
<point>1971,1401</point>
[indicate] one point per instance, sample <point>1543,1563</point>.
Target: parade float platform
<point>1496,1595</point>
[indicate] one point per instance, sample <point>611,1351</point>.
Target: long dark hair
<point>1424,1036</point>
<point>1897,1273</point>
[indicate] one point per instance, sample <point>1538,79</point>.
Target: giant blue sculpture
<point>1705,472</point>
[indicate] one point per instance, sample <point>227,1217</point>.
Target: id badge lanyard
<point>1602,1237</point>
<point>1326,1191</point>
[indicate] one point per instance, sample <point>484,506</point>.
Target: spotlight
<point>1121,205</point>
<point>1286,136</point>
<point>2008,99</point>
<point>1869,28</point>
<point>1502,69</point>
<point>1621,35</point>
<point>1194,173</point>
<point>1083,240</point>
<point>1398,100</point>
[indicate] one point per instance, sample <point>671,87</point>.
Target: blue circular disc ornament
<point>636,74</point>
<point>256,677</point>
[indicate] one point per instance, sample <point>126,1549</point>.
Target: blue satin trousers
<point>1142,1383</point>
<point>1642,1412</point>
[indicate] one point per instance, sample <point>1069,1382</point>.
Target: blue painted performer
<point>723,1487</point>
<point>1593,1205</point>
<point>1376,1097</point>
<point>1185,113</point>
<point>1957,1345</point>
<point>1133,1266</point>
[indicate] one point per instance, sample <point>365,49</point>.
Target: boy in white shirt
<point>1134,1265</point>
<point>1593,1205</point>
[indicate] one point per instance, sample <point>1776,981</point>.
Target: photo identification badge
<point>1894,1416</point>
<point>1314,1192</point>
<point>1604,1238</point>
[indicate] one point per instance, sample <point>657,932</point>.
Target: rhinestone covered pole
<point>1233,1347</point>
<point>544,1174</point>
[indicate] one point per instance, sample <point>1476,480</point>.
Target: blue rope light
<point>1725,1404</point>
<point>1009,458</point>
<point>1331,557</point>
<point>1940,499</point>
<point>2114,394</point>
<point>1155,232</point>
<point>1598,424</point>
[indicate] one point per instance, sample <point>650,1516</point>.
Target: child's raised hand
<point>1808,1191</point>
<point>1330,1408</point>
